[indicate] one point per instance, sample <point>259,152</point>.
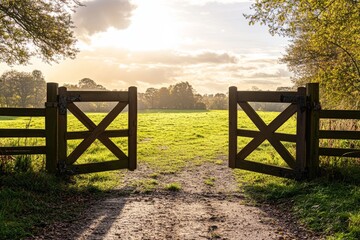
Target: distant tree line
<point>22,89</point>
<point>180,96</point>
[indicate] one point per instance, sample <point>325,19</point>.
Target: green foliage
<point>324,43</point>
<point>36,27</point>
<point>210,181</point>
<point>174,187</point>
<point>22,89</point>
<point>144,185</point>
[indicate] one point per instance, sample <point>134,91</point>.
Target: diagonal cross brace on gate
<point>298,104</point>
<point>66,102</point>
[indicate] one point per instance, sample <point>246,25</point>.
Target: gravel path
<point>200,210</point>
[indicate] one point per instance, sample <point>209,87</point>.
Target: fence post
<point>62,141</point>
<point>312,131</point>
<point>233,115</point>
<point>51,127</point>
<point>132,125</point>
<point>301,132</point>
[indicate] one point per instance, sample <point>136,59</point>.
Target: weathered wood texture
<point>267,132</point>
<point>233,116</point>
<point>99,131</point>
<point>312,130</point>
<point>51,126</point>
<point>22,112</point>
<point>132,124</point>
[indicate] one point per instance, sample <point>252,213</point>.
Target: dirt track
<point>197,211</point>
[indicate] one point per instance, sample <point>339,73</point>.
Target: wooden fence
<point>56,135</point>
<point>305,104</point>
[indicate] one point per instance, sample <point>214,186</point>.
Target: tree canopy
<point>325,43</point>
<point>36,28</point>
<point>22,89</point>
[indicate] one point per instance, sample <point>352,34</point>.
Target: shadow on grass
<point>30,202</point>
<point>329,205</point>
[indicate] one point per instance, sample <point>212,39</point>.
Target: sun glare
<point>153,27</point>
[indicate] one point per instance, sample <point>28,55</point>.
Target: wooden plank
<point>98,96</point>
<point>281,136</point>
<point>340,114</point>
<point>62,130</point>
<point>267,169</point>
<point>98,167</point>
<point>301,134</point>
<point>132,123</point>
<point>22,150</point>
<point>51,127</point>
<point>312,133</point>
<point>107,134</point>
<point>339,152</point>
<point>22,133</point>
<point>264,96</point>
<point>79,150</point>
<point>23,112</point>
<point>91,126</point>
<point>327,134</point>
<point>233,117</point>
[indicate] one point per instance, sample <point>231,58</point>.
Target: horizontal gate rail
<point>12,133</point>
<point>98,96</point>
<point>23,112</point>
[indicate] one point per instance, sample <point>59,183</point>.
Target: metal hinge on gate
<point>301,100</point>
<point>64,100</point>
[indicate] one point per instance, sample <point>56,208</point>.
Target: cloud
<point>207,71</point>
<point>185,58</point>
<point>99,15</point>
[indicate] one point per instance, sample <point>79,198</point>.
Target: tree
<point>39,94</point>
<point>36,27</point>
<point>152,97</point>
<point>23,89</point>
<point>325,40</point>
<point>89,84</point>
<point>182,96</point>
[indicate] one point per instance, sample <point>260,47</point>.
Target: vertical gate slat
<point>62,130</point>
<point>301,134</point>
<point>312,91</point>
<point>51,127</point>
<point>132,125</point>
<point>233,115</point>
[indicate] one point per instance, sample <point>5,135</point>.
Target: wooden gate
<point>66,100</point>
<point>297,166</point>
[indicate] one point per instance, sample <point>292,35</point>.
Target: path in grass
<point>199,202</point>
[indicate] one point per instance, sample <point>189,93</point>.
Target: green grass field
<point>168,141</point>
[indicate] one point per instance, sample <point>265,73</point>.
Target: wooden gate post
<point>62,126</point>
<point>132,125</point>
<point>301,132</point>
<point>233,116</point>
<point>51,127</point>
<point>312,131</point>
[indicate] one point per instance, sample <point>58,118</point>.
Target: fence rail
<point>26,133</point>
<point>339,134</point>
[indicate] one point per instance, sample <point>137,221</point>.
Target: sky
<point>157,43</point>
